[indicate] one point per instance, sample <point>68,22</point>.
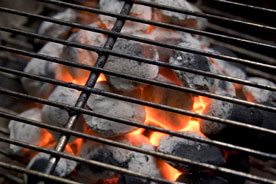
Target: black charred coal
<point>237,162</point>
<point>235,112</point>
<point>202,178</point>
<point>126,179</point>
<point>192,150</point>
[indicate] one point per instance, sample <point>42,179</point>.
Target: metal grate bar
<point>266,10</point>
<point>147,81</point>
<point>91,81</point>
<point>139,39</point>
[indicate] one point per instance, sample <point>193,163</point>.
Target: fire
<point>168,172</point>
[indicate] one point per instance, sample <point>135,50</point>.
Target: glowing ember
<point>168,172</point>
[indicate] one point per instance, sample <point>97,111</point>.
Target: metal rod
<point>145,60</point>
<point>169,26</point>
<point>138,79</point>
<point>144,176</point>
<point>164,7</point>
<point>131,123</point>
<point>11,178</point>
<point>148,41</point>
<point>266,10</point>
<point>35,173</point>
<point>63,140</point>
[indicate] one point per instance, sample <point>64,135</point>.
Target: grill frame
<point>96,70</point>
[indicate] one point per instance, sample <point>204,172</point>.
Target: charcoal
<point>202,178</point>
<point>43,68</point>
<point>112,107</point>
<point>131,67</point>
<point>39,163</point>
<point>83,56</point>
<point>56,30</point>
<point>192,150</point>
<point>179,18</point>
<point>189,60</point>
<point>170,97</point>
<point>226,87</point>
<point>130,27</point>
<point>126,179</point>
<point>260,95</point>
<point>228,68</point>
<point>25,132</point>
<point>57,116</point>
<point>237,162</point>
<point>235,112</point>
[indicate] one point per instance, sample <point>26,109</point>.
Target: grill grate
<point>97,69</point>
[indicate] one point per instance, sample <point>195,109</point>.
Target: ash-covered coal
<point>260,95</point>
<point>56,30</point>
<point>235,112</point>
<point>115,6</point>
<point>192,150</point>
<point>179,18</point>
<point>39,163</point>
<point>83,56</point>
<point>225,87</point>
<point>131,67</point>
<point>169,97</point>
<point>57,116</point>
<point>43,68</point>
<point>193,61</point>
<point>25,132</point>
<point>202,178</point>
<point>112,107</point>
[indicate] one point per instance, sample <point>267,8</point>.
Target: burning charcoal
<point>126,179</point>
<point>192,150</point>
<point>83,56</point>
<point>25,132</point>
<point>235,112</point>
<point>56,30</point>
<point>42,68</point>
<point>56,116</point>
<point>112,107</point>
<point>115,6</point>
<point>226,87</point>
<point>39,163</point>
<point>260,95</point>
<point>201,178</point>
<point>131,67</point>
<point>193,61</point>
<point>179,18</point>
<point>170,97</point>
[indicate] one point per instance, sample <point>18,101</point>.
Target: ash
<point>130,27</point>
<point>43,68</point>
<point>56,116</point>
<point>260,95</point>
<point>192,150</point>
<point>193,61</point>
<point>83,56</point>
<point>131,67</point>
<point>40,162</point>
<point>55,30</point>
<point>25,132</point>
<point>112,107</point>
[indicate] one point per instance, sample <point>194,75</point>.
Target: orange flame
<point>167,171</point>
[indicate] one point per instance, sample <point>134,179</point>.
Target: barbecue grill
<point>261,63</point>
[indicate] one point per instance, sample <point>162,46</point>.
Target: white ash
<point>56,116</point>
<point>260,95</point>
<point>228,68</point>
<point>83,56</point>
<point>192,150</point>
<point>39,163</point>
<point>131,67</point>
<point>226,87</point>
<point>189,60</point>
<point>115,6</point>
<point>43,68</point>
<point>112,107</point>
<point>179,18</point>
<point>26,132</point>
<point>56,30</point>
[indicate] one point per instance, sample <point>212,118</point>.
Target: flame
<point>74,147</point>
<point>167,171</point>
